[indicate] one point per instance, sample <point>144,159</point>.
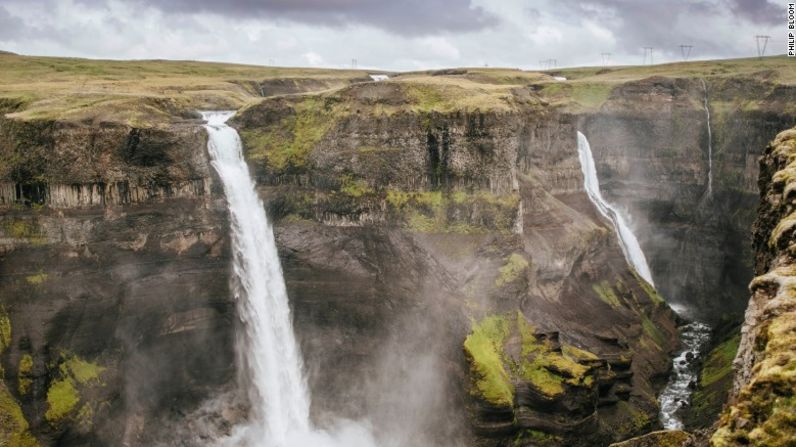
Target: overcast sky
<point>396,35</point>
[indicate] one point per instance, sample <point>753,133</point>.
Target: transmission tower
<point>685,50</point>
<point>761,49</point>
<point>606,58</point>
<point>648,50</point>
<point>354,64</point>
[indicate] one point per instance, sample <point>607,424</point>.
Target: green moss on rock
<point>14,428</point>
<point>512,270</point>
<point>484,350</point>
<point>36,279</point>
<point>24,374</point>
<point>62,398</point>
<point>64,394</point>
<point>495,368</point>
<point>5,330</point>
<point>719,362</point>
<point>605,291</point>
<point>435,212</point>
<point>289,142</point>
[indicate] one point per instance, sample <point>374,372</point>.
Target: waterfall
<point>627,240</point>
<point>695,336</point>
<point>710,140</point>
<point>269,353</point>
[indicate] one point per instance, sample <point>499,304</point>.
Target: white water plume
<point>269,353</point>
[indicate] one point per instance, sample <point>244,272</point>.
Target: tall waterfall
<point>270,356</point>
<point>695,335</point>
<point>627,240</point>
<point>710,140</point>
<point>278,393</point>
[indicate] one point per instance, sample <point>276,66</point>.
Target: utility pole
<point>685,50</point>
<point>761,50</point>
<point>606,58</point>
<point>647,50</point>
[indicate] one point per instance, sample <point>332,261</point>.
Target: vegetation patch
<point>715,381</point>
<point>36,279</point>
<point>5,330</point>
<point>25,374</point>
<point>605,291</point>
<point>14,428</point>
<point>484,350</point>
<point>652,331</point>
<point>494,367</point>
<point>719,362</point>
<point>536,438</point>
<point>355,188</point>
<point>288,143</point>
<point>512,270</point>
<point>24,229</point>
<point>63,396</point>
<point>457,212</point>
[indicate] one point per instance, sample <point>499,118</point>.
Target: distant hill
<point>8,52</point>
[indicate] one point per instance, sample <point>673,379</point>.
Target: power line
<point>761,51</point>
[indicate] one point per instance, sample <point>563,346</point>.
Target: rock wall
<point>763,401</point>
<point>449,262</point>
<point>650,142</point>
<point>492,204</point>
<point>114,295</point>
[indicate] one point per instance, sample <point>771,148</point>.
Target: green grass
<point>718,364</point>
<point>136,92</point>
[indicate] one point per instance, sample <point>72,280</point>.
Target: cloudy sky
<point>396,35</point>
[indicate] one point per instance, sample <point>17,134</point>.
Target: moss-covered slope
<point>763,407</point>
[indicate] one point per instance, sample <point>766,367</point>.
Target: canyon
<point>449,280</point>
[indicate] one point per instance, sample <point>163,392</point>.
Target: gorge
<point>445,274</point>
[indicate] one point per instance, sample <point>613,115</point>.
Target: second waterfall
<point>269,353</point>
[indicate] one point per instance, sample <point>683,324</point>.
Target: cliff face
<point>114,296</point>
<point>652,148</point>
<point>448,276</point>
<point>763,403</point>
<point>564,345</point>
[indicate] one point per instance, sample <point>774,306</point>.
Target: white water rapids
<point>269,353</point>
<point>695,336</point>
<point>627,240</point>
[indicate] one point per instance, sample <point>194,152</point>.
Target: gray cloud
<point>396,34</point>
<point>664,25</point>
<point>760,11</point>
<point>405,17</point>
<point>11,28</point>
